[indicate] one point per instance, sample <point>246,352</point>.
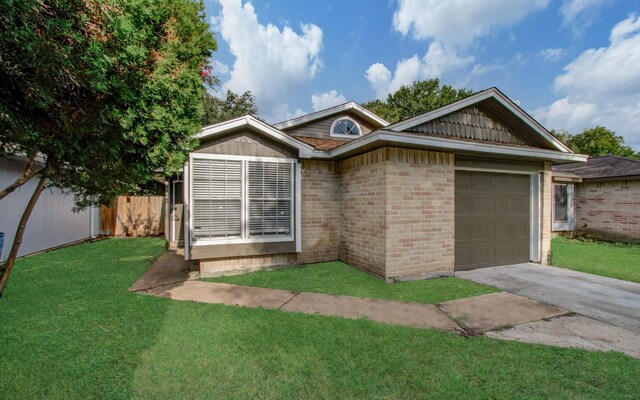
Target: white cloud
<point>579,14</point>
<point>625,28</point>
<point>458,22</point>
<point>437,61</point>
<point>601,86</point>
<point>552,54</point>
<point>320,101</point>
<point>219,68</point>
<point>379,78</point>
<point>451,25</point>
<point>607,71</point>
<point>271,62</point>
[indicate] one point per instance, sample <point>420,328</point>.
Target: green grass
<point>70,330</point>
<point>615,260</point>
<point>340,278</point>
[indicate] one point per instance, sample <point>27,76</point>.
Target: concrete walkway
<point>501,315</point>
<point>469,316</point>
<point>168,269</point>
<point>608,300</point>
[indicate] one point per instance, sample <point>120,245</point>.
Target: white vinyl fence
<point>52,223</point>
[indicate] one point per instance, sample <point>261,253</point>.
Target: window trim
<point>295,202</point>
<point>567,225</point>
<point>341,135</point>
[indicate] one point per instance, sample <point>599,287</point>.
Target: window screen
<point>560,204</point>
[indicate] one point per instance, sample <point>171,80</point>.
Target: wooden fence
<point>134,216</point>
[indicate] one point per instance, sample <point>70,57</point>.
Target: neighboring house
<point>465,186</point>
<point>52,222</point>
<point>599,199</point>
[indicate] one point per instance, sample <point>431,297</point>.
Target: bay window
<point>239,199</point>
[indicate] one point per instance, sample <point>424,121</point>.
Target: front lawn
<point>615,260</point>
<point>70,330</point>
<point>340,278</point>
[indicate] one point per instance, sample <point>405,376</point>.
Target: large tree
<point>596,142</point>
<point>415,99</point>
<point>98,95</point>
<point>231,106</point>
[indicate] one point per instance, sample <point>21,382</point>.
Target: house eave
<point>391,138</point>
<point>305,119</point>
<point>248,121</point>
<point>493,93</point>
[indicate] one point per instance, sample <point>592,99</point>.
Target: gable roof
<point>497,103</point>
<point>605,167</point>
<point>350,106</point>
<point>249,121</point>
<point>543,145</point>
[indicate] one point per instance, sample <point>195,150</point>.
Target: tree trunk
<point>17,240</point>
<point>28,172</point>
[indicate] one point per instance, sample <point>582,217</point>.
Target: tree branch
<point>17,240</point>
<point>28,172</point>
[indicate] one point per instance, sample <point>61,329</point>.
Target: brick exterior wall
<point>363,213</point>
<point>320,206</point>
<point>240,265</point>
<point>397,213</point>
<point>389,212</point>
<point>420,214</point>
<point>608,210</point>
<point>320,219</point>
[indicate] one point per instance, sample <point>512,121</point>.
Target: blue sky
<point>572,64</point>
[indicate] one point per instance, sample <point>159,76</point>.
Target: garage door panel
<point>480,255</point>
<point>520,252</point>
<point>463,255</point>
<point>483,205</point>
<point>463,231</point>
<point>503,254</point>
<point>521,186</point>
<point>464,178</point>
<point>502,183</point>
<point>465,206</point>
<point>520,231</point>
<point>479,231</point>
<point>503,229</point>
<point>492,219</point>
<point>520,205</point>
<point>480,183</point>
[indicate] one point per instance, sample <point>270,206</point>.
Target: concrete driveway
<point>609,300</point>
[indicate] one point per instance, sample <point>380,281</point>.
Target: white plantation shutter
<point>270,198</point>
<point>241,199</point>
<point>217,198</point>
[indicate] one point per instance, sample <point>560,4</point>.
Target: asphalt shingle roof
<point>601,167</point>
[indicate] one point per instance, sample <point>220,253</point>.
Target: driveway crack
<point>295,294</point>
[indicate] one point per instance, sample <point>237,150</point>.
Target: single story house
<point>599,198</point>
<point>465,186</point>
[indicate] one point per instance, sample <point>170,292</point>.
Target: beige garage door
<point>492,219</point>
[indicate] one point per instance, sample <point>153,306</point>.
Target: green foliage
<point>615,260</point>
<point>109,92</point>
<point>340,278</point>
<point>597,142</point>
<point>232,106</point>
<point>69,329</point>
<point>562,135</point>
<point>415,99</point>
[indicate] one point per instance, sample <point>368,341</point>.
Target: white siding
<point>52,222</point>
